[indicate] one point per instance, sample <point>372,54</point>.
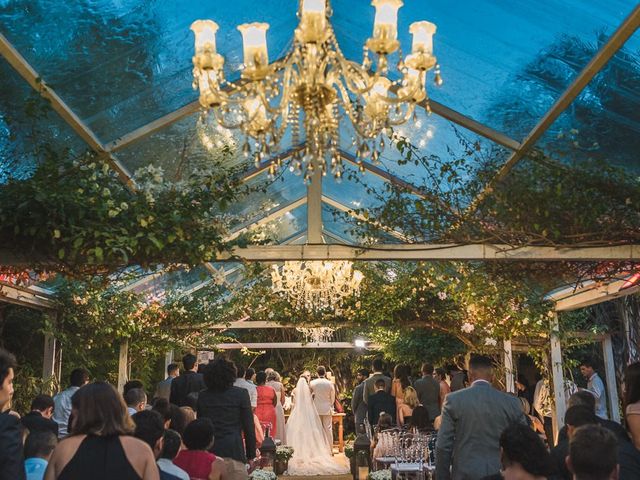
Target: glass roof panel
<point>284,228</point>
<point>157,288</point>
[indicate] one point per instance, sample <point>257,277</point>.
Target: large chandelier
<point>316,285</point>
<point>314,86</point>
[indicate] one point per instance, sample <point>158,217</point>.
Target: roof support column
<point>610,377</point>
<point>314,204</point>
<point>509,384</point>
<point>123,364</point>
<point>558,379</point>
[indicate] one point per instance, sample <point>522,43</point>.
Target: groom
<point>324,395</point>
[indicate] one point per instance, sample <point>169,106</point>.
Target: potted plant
<point>283,454</point>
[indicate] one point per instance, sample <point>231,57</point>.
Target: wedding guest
<point>410,402</point>
<point>179,420</point>
<point>241,382</point>
<point>136,400</point>
<point>358,407</point>
<point>428,389</point>
<point>250,375</point>
<point>574,418</point>
<point>595,386</point>
<point>131,384</point>
<point>189,413</point>
<point>189,382</point>
<point>163,389</point>
<point>533,421</point>
<point>37,451</point>
<point>39,418</point>
<point>11,458</point>
<point>196,460</point>
<point>163,407</point>
<point>586,399</point>
<point>399,384</point>
<point>172,442</point>
<point>632,401</point>
<point>62,401</point>
<point>370,383</point>
<point>100,446</point>
<point>381,402</point>
<point>150,429</point>
<point>583,463</point>
<point>382,449</point>
<point>441,375</point>
<point>273,381</point>
<point>420,420</point>
<point>229,409</point>
<point>523,455</point>
<point>473,419</point>
<point>458,378</point>
<point>267,400</point>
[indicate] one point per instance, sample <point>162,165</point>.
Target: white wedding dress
<point>304,433</point>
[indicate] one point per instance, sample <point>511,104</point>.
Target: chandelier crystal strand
<point>316,334</point>
<point>316,285</point>
<point>314,87</point>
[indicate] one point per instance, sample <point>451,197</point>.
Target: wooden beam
<point>589,294</point>
<point>289,345</point>
<point>615,42</point>
<point>558,379</point>
<point>49,358</point>
<point>19,63</point>
<point>416,252</point>
<point>123,364</point>
<point>610,377</point>
<point>510,384</point>
<point>27,296</point>
<point>314,204</point>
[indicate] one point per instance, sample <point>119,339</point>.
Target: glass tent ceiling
<point>123,74</point>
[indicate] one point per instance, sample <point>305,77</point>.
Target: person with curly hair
<point>229,409</point>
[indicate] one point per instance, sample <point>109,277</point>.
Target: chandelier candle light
<point>316,285</point>
<point>314,86</point>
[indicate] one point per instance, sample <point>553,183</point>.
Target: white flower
<point>467,327</point>
<point>525,321</point>
<point>262,475</point>
<point>490,342</point>
<point>442,295</point>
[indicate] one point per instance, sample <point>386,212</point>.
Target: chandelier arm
<point>404,118</point>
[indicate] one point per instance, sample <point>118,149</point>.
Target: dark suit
<point>428,390</point>
<point>381,402</point>
<point>231,414</point>
<point>370,385</point>
<point>358,407</point>
<point>181,386</point>
<point>35,422</point>
<point>11,459</point>
<point>469,437</point>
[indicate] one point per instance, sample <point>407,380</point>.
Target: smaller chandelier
<point>316,334</point>
<point>310,90</point>
<point>316,285</point>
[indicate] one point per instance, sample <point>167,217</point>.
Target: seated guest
<point>136,400</point>
<point>100,446</point>
<point>39,418</point>
<point>11,457</point>
<point>575,417</point>
<point>523,455</point>
<point>593,453</point>
<point>37,451</point>
<point>163,407</point>
<point>382,449</point>
<point>196,460</point>
<point>150,429</point>
<point>405,409</point>
<point>380,402</point>
<point>170,448</point>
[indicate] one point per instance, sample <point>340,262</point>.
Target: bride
<point>304,433</point>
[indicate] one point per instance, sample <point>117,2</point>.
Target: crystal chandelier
<point>316,285</point>
<point>316,334</point>
<point>314,86</point>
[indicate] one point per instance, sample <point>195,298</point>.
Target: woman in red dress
<point>267,398</point>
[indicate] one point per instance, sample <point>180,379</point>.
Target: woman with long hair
<point>100,446</point>
<point>267,401</point>
<point>399,384</point>
<point>409,402</point>
<point>632,401</point>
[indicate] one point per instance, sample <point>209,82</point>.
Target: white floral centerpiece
<point>263,475</point>
<point>380,475</point>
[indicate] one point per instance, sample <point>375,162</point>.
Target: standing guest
<point>409,403</point>
<point>170,448</point>
<point>586,399</point>
<point>458,378</point>
<point>39,418</point>
<point>381,402</point>
<point>37,451</point>
<point>100,446</point>
<point>472,421</point>
<point>136,400</point>
<point>267,400</point>
<point>632,401</point>
<point>273,381</point>
<point>596,387</point>
<point>196,460</point>
<point>163,407</point>
<point>163,389</point>
<point>399,384</point>
<point>150,429</point>
<point>420,420</point>
<point>370,384</point>
<point>523,455</point>
<point>428,389</point>
<point>358,407</point>
<point>533,421</point>
<point>62,409</point>
<point>250,375</point>
<point>593,454</point>
<point>189,382</point>
<point>189,413</point>
<point>11,459</point>
<point>574,418</point>
<point>131,384</point>
<point>524,389</point>
<point>324,396</point>
<point>229,409</point>
<point>241,382</point>
<point>441,376</point>
<point>179,420</point>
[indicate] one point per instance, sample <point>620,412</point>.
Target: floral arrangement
<point>284,453</point>
<point>263,475</point>
<point>348,450</point>
<point>380,475</point>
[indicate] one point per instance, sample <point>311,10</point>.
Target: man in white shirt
<point>595,386</point>
<point>324,396</point>
<point>247,385</point>
<point>62,401</point>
